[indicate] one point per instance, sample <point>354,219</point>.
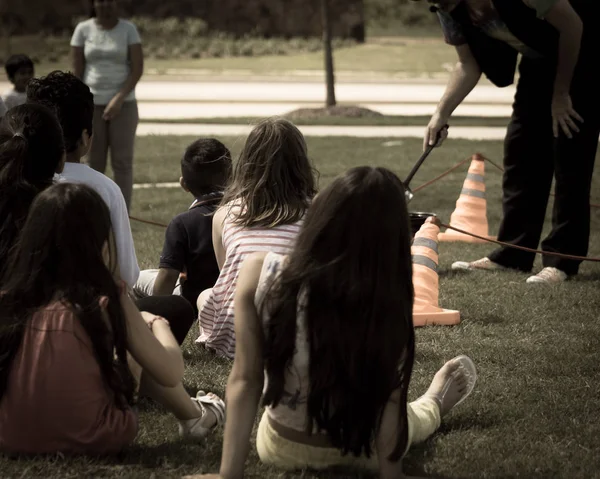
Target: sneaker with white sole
<point>548,275</point>
<point>484,264</point>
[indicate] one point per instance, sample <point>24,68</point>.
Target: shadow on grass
<point>416,458</point>
<point>586,277</point>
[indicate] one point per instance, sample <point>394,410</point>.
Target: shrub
<point>175,38</point>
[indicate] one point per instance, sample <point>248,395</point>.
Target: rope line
<point>148,222</point>
<point>522,248</point>
<point>418,188</point>
<point>439,177</point>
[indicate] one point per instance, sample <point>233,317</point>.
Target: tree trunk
<point>328,53</point>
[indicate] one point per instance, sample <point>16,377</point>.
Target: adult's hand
<point>564,115</point>
<point>113,108</point>
<point>436,131</point>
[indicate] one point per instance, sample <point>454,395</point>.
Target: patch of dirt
<point>339,111</point>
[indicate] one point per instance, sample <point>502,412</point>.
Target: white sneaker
<point>548,275</point>
<point>484,264</point>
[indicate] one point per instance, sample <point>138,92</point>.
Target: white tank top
<point>291,411</point>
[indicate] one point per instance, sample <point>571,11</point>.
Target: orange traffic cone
<point>471,207</point>
<point>426,310</point>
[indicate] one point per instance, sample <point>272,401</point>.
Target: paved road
<point>244,91</point>
<point>204,99</point>
<point>296,91</point>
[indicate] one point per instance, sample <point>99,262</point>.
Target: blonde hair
<point>273,179</point>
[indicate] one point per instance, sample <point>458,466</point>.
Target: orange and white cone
<point>426,310</point>
<point>471,207</point>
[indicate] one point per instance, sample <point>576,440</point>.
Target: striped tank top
<point>216,315</point>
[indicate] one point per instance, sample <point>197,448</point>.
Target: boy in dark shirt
<point>187,263</point>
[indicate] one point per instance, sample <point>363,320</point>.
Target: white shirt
<point>112,196</point>
<point>13,98</point>
<point>107,64</point>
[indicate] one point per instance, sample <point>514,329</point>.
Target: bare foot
<point>449,385</point>
<point>209,418</point>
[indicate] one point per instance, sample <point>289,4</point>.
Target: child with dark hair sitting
<point>73,103</point>
<point>20,71</point>
<point>187,263</point>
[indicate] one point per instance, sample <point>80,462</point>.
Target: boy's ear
<point>86,139</point>
<point>85,142</point>
<point>183,185</point>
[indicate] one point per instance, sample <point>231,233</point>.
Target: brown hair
<point>273,179</point>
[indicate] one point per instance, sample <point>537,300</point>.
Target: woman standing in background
<point>107,55</point>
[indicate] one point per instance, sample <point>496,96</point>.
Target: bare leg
<point>136,371</point>
<point>176,400</point>
<point>202,298</point>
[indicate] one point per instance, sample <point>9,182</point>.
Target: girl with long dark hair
<point>73,346</point>
<point>328,333</point>
<point>31,152</point>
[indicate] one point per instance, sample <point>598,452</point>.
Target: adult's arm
<point>136,65</point>
<point>463,79</point>
<point>136,59</point>
<point>565,19</point>
<point>77,51</point>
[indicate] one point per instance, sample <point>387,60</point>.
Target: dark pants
<point>533,157</point>
<point>118,135</point>
<point>175,309</point>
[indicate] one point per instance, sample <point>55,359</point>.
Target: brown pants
<point>119,136</point>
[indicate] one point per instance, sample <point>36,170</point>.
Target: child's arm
<point>217,235</point>
<point>245,384</point>
<point>172,258</point>
<point>165,282</point>
<point>156,350</point>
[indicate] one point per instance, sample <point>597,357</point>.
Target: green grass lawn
<point>387,120</point>
<point>534,411</point>
<point>415,57</point>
